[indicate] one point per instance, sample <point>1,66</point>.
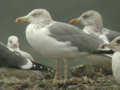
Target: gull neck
<point>91,29</point>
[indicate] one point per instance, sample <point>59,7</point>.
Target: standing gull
<point>93,24</point>
<point>57,40</point>
<point>115,45</point>
<point>13,45</point>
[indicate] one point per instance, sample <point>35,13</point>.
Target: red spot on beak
<point>101,46</point>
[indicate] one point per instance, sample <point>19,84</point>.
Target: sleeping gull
<point>115,45</point>
<point>57,40</point>
<point>93,24</point>
<point>13,45</point>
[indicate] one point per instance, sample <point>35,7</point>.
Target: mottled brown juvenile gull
<point>93,25</point>
<point>57,40</point>
<point>115,45</point>
<point>13,45</point>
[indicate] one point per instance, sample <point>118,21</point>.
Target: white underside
<point>28,65</point>
<point>47,46</point>
<point>116,66</point>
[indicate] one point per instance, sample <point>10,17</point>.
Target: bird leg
<point>57,73</point>
<point>65,71</point>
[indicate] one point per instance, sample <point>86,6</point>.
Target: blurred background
<point>61,10</point>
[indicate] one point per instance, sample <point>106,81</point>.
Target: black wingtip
<point>103,52</point>
<point>41,67</point>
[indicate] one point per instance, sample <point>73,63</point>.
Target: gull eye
<point>118,41</point>
<point>35,14</point>
<point>85,16</point>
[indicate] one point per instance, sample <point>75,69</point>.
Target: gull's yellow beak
<point>21,19</point>
<point>74,21</point>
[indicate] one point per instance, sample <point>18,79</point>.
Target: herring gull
<point>57,40</point>
<point>93,25</point>
<point>13,46</point>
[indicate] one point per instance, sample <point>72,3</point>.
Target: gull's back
<point>65,32</point>
<point>25,54</point>
<point>111,34</point>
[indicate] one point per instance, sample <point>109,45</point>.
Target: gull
<point>13,46</point>
<point>115,46</point>
<point>57,40</point>
<point>93,25</point>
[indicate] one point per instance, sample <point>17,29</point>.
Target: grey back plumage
<point>111,34</point>
<point>25,54</point>
<point>10,59</point>
<point>65,32</point>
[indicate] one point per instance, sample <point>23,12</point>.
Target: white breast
<point>47,46</point>
<point>116,66</point>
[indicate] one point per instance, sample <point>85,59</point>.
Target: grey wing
<point>66,32</point>
<point>25,55</point>
<point>29,56</point>
<point>16,60</point>
<point>111,34</point>
<point>10,59</point>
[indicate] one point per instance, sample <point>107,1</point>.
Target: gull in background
<point>13,45</point>
<point>57,40</point>
<point>115,46</point>
<point>93,25</point>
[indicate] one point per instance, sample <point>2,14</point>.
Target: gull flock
<point>62,41</point>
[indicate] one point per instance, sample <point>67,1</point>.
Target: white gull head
<point>114,44</point>
<point>36,16</point>
<point>92,18</point>
<point>13,42</point>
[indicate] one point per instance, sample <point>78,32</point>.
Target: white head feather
<point>114,44</point>
<point>37,16</point>
<point>92,18</point>
<point>13,42</point>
